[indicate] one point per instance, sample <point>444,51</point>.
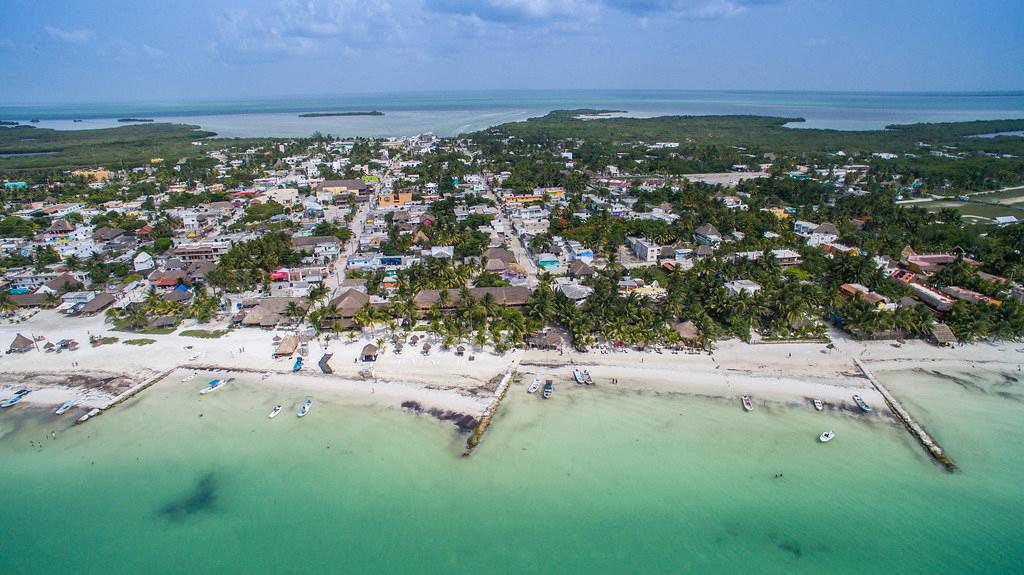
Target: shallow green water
<point>592,481</point>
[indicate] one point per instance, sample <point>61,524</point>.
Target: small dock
<point>126,396</point>
<point>324,363</point>
<point>915,429</point>
<point>488,415</point>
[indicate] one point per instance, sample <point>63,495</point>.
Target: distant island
<point>134,120</point>
<point>8,123</point>
<point>328,114</point>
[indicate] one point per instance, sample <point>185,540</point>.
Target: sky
<point>127,51</point>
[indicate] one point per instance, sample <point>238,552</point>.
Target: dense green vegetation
<point>124,146</point>
<point>247,265</point>
<point>755,132</point>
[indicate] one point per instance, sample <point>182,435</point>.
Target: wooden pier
<point>915,429</point>
<point>126,395</point>
<point>488,415</point>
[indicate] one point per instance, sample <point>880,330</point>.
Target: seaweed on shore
<point>964,383</point>
<point>202,498</point>
<point>463,421</point>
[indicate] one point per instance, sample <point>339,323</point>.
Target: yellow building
<point>394,200</point>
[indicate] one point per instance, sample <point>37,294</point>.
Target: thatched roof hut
<point>21,344</point>
<point>687,330</point>
<point>287,346</point>
<point>369,352</point>
<point>942,335</point>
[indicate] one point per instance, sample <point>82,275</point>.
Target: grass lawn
<point>204,333</point>
<point>139,341</point>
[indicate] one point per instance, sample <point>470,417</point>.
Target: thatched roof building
<point>21,344</point>
<point>942,335</point>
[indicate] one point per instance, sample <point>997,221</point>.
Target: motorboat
<point>18,396</point>
<point>92,413</point>
<point>534,386</point>
<point>67,406</point>
<point>827,436</point>
<point>306,406</point>
<point>549,390</point>
<point>274,413</point>
<point>578,376</point>
<point>748,404</point>
<point>587,379</point>
<point>189,377</point>
<point>214,385</point>
<point>818,405</point>
<point>861,403</point>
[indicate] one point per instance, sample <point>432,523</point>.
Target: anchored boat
<point>827,436</point>
<point>534,386</point>
<point>587,379</point>
<point>818,405</point>
<point>18,396</point>
<point>67,406</point>
<point>549,389</point>
<point>214,385</point>
<point>306,406</point>
<point>274,413</point>
<point>748,404</point>
<point>578,376</point>
<point>861,403</point>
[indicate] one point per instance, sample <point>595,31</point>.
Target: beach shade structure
<point>426,348</point>
<point>687,332</point>
<point>277,339</point>
<point>21,344</point>
<point>369,352</point>
<point>287,346</point>
<point>942,336</point>
<point>414,340</point>
<point>49,346</point>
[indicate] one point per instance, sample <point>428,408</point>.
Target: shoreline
<point>787,375</point>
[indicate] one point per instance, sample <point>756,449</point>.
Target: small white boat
<point>92,413</point>
<point>861,403</point>
<point>748,404</point>
<point>306,406</point>
<point>18,395</point>
<point>587,379</point>
<point>549,390</point>
<point>827,436</point>
<point>274,413</point>
<point>578,376</point>
<point>67,406</point>
<point>534,386</point>
<point>214,385</point>
<point>190,377</point>
<point>818,405</point>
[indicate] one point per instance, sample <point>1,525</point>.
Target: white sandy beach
<point>787,374</point>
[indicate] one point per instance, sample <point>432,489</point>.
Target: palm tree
<point>295,311</point>
<point>7,304</point>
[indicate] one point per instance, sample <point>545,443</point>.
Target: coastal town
<point>442,263</point>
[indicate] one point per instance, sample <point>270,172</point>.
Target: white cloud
<point>151,51</point>
<point>294,27</point>
<point>73,36</point>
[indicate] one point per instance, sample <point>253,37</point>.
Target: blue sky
<point>118,50</point>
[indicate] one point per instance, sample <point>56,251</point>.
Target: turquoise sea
<point>591,481</point>
<point>449,113</point>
